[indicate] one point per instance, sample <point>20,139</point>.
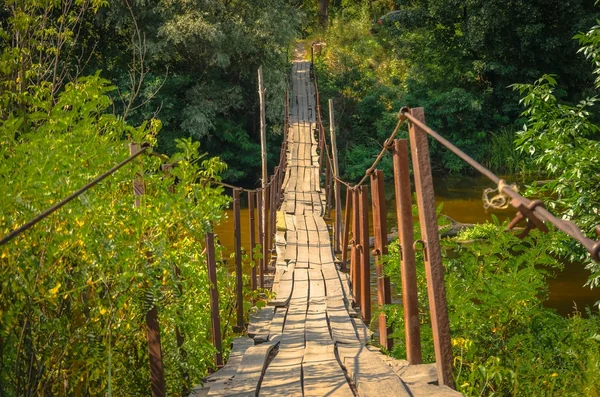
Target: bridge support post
<point>365,265</point>
<point>157,372</point>
<point>408,269</point>
<point>434,269</point>
<point>384,296</point>
<point>265,235</point>
<point>261,261</point>
<point>237,242</point>
<point>346,227</point>
<point>252,225</point>
<point>337,234</point>
<point>214,298</point>
<point>355,255</point>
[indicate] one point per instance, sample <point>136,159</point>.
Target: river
<point>461,199</point>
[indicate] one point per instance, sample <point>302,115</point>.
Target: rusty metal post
<point>329,190</point>
<point>355,254</point>
<point>327,195</point>
<point>272,210</point>
<point>214,299</point>
<point>408,268</point>
<point>346,227</point>
<point>434,269</point>
<point>157,372</point>
<point>365,265</point>
<point>337,234</point>
<point>261,261</point>
<point>252,238</point>
<point>384,295</point>
<point>237,242</point>
<point>265,235</point>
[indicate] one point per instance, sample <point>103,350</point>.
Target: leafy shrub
<point>505,342</point>
<point>77,286</point>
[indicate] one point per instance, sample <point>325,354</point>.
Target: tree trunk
<point>323,5</point>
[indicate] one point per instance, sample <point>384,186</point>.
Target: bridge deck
<point>305,342</point>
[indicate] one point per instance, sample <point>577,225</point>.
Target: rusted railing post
<point>337,233</point>
<point>355,254</point>
<point>157,372</point>
<point>214,299</point>
<point>252,225</point>
<point>365,265</point>
<point>384,296</point>
<point>434,269</point>
<point>265,235</point>
<point>346,227</point>
<point>408,269</point>
<point>237,242</point>
<point>261,261</point>
<point>327,188</point>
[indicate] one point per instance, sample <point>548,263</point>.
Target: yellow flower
<point>554,375</point>
<point>54,290</point>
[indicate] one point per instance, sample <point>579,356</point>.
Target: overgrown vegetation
<point>76,288</point>
<point>505,341</point>
<point>455,59</point>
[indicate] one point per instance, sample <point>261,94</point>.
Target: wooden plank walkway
<point>305,341</point>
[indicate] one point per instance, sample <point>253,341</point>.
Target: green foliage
<point>198,61</point>
<point>76,287</point>
<point>456,60</point>
<point>505,342</point>
<point>562,140</point>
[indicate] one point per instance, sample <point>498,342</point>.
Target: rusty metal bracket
<point>376,252</point>
<point>527,212</point>
<point>423,247</point>
<point>401,115</point>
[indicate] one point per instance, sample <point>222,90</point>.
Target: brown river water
<point>461,200</point>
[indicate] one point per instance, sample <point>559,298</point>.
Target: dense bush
<point>505,342</point>
<point>455,60</point>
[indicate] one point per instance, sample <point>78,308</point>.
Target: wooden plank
<point>260,322</point>
<point>323,375</point>
<point>364,333</point>
<point>371,376</point>
<point>276,326</point>
<point>284,287</point>
<point>303,254</point>
<point>283,376</point>
<point>239,347</point>
<point>246,380</point>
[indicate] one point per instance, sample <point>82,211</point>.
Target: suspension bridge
<point>313,337</point>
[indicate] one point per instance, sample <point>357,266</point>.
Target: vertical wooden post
<point>252,238</point>
<point>355,254</point>
<point>265,191</point>
<point>215,316</point>
<point>237,242</point>
<point>346,226</point>
<point>157,372</point>
<point>365,265</point>
<point>408,268</point>
<point>261,232</point>
<point>337,234</point>
<point>384,296</point>
<point>434,269</point>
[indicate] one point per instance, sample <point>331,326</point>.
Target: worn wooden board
<point>371,376</point>
<point>284,374</point>
<point>323,375</point>
<point>260,322</point>
<point>250,371</point>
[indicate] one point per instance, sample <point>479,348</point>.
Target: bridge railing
<point>355,231</point>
